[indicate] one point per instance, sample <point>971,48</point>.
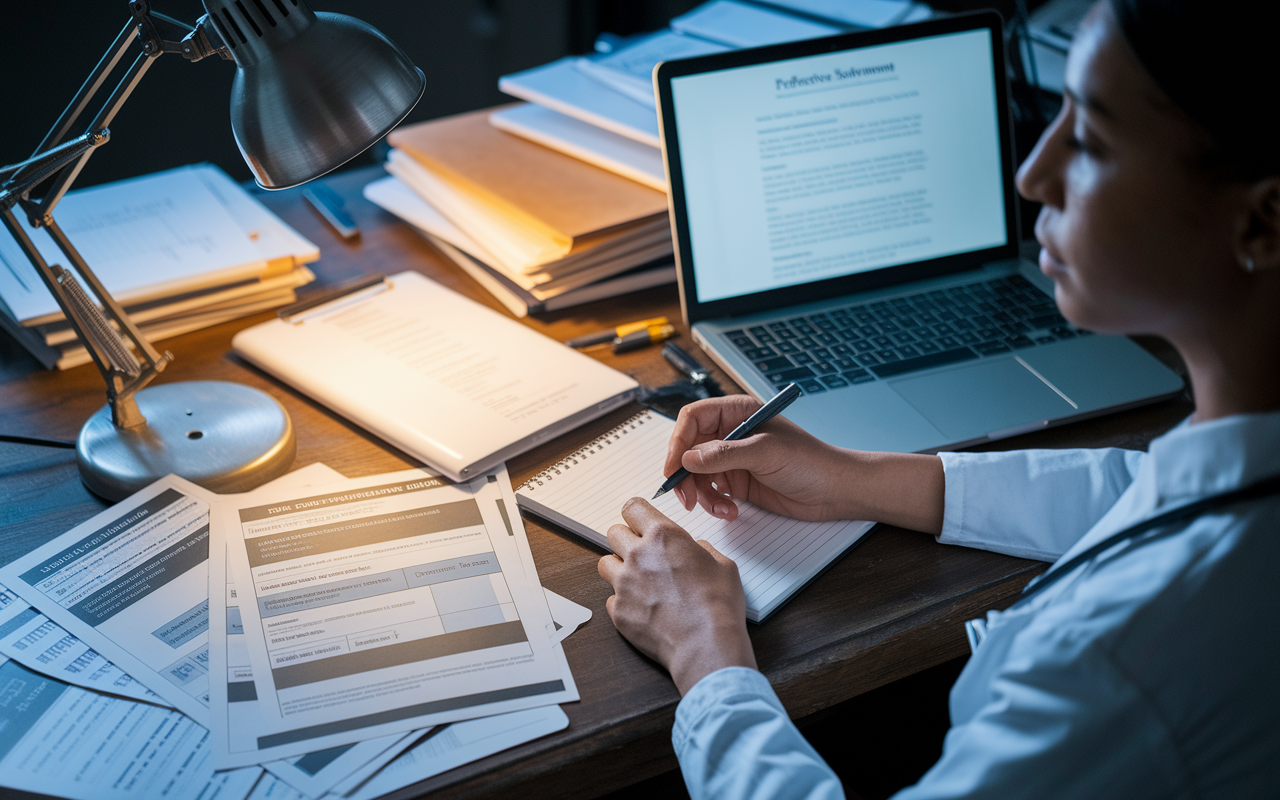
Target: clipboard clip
<point>353,291</point>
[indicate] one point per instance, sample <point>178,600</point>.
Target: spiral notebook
<point>776,555</point>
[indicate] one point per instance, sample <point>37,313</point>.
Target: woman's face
<point>1135,235</point>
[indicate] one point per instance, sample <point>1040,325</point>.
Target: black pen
<point>765,413</point>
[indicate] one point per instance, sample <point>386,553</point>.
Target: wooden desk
<point>895,605</point>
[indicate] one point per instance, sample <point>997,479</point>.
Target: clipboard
<point>445,379</point>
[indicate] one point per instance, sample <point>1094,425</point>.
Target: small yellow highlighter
<point>643,337</point>
<point>610,334</point>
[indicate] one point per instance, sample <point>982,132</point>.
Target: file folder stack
<point>541,230</point>
<point>481,196</point>
<point>180,250</point>
<point>600,107</point>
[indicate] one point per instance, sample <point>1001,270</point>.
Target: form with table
<point>893,606</point>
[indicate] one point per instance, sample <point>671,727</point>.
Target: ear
<point>1258,247</point>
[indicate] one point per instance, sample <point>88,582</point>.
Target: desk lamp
<point>312,90</point>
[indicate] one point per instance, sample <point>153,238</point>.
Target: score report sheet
<point>384,604</point>
<point>133,584</point>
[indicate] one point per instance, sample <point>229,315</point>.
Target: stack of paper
<point>361,635</point>
<point>601,108</point>
<point>180,250</point>
<point>536,227</point>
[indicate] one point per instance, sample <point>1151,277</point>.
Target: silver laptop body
<point>845,218</point>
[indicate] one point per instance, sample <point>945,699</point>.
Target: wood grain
<point>891,607</point>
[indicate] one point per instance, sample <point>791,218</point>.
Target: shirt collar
<point>1206,458</point>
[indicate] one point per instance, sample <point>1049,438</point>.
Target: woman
<point>1148,669</point>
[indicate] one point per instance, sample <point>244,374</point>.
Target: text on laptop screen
<point>812,168</point>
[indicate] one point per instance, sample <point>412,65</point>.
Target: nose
<point>1041,177</point>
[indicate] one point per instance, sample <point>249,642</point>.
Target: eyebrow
<point>1090,102</point>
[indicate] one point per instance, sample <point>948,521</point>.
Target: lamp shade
<point>312,90</point>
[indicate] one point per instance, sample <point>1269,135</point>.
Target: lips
<point>1050,265</point>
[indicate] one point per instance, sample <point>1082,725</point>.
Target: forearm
<point>903,489</point>
<point>735,742</point>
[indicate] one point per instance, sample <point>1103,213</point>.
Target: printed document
<point>62,740</point>
<point>133,584</point>
<point>461,743</point>
<point>42,645</point>
<point>386,604</point>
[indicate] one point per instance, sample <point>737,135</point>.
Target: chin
<point>1074,306</point>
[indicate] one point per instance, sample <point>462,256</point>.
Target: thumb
<point>751,454</point>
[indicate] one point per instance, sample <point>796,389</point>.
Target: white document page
<point>144,237</point>
<point>378,606</point>
<point>133,584</point>
<point>318,772</point>
<point>235,702</point>
<point>461,743</point>
<point>584,141</point>
<point>744,25</point>
<point>273,788</point>
<point>562,87</point>
<point>862,13</point>
<point>369,768</point>
<point>66,741</point>
<point>630,70</point>
<point>839,163</point>
<point>42,645</point>
<point>568,615</point>
<point>775,555</point>
<point>271,236</point>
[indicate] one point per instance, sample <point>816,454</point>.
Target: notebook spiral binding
<point>596,445</point>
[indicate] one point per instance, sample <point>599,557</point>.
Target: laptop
<point>844,217</point>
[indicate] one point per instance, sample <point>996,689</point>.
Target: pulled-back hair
<point>1216,62</point>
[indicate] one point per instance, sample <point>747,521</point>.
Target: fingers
<point>621,540</point>
<point>609,567</point>
<point>753,454</point>
<point>645,520</point>
<point>704,421</point>
<point>714,496</point>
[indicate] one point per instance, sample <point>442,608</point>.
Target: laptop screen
<point>823,166</point>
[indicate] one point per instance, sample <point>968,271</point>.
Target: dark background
<point>179,112</point>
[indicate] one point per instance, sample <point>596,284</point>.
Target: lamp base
<point>222,436</point>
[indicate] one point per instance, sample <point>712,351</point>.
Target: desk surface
<point>895,605</point>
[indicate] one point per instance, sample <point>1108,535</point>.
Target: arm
<point>735,740</point>
<point>1031,503</point>
<point>786,470</point>
<point>1063,721</point>
<point>680,602</point>
<point>1028,503</point>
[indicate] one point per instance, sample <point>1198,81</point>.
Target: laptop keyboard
<point>886,338</point>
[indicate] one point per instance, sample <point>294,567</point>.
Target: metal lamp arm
<point>197,42</point>
<point>60,164</point>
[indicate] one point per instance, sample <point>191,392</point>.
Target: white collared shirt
<point>1151,672</point>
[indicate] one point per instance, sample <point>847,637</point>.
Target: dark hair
<point>1216,62</point>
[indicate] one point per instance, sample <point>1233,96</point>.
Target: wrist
<point>902,489</point>
<point>728,646</point>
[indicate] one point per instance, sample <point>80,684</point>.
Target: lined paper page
<point>775,555</point>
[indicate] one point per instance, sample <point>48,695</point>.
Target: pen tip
<point>660,493</point>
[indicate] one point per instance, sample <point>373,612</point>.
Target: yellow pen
<point>643,337</point>
<point>610,334</point>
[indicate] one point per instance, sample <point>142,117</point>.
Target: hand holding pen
<point>762,415</point>
<point>781,467</point>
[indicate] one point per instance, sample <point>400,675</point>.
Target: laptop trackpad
<point>977,399</point>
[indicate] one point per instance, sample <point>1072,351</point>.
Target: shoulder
<point>1184,628</point>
